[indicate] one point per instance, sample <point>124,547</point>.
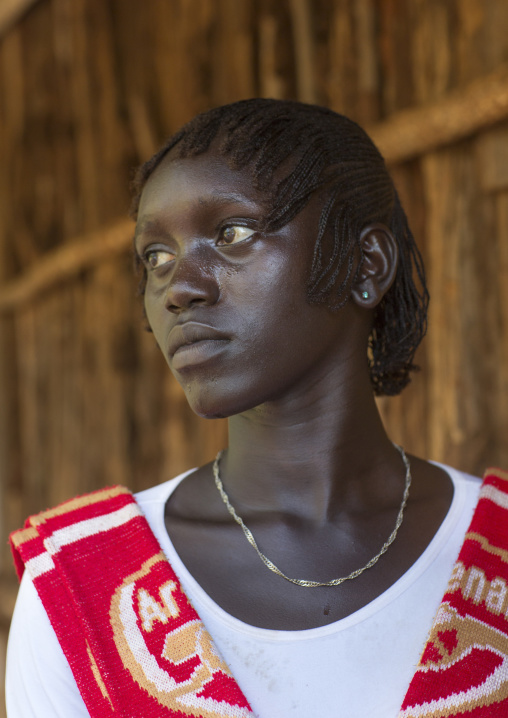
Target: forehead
<point>204,180</point>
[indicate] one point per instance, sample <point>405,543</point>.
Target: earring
<point>365,295</point>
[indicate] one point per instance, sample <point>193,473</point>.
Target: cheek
<point>154,313</point>
<point>149,313</point>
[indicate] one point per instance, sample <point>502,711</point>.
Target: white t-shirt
<point>356,667</point>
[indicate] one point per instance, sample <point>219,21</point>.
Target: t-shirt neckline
<point>201,598</point>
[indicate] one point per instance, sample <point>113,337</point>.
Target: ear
<point>379,265</point>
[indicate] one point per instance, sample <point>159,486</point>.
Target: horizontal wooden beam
<point>403,136</point>
<point>11,11</point>
<point>65,262</point>
<point>460,114</point>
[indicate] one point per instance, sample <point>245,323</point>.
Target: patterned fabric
<point>134,643</point>
<point>137,647</point>
<point>463,670</point>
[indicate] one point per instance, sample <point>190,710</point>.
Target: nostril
<point>172,307</point>
<point>193,302</point>
<point>191,283</point>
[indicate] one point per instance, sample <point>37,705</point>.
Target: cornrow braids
<point>326,152</point>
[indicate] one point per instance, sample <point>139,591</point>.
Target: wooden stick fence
<point>405,135</point>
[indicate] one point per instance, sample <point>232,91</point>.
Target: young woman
<point>280,283</point>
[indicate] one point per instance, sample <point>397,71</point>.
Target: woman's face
<point>227,301</point>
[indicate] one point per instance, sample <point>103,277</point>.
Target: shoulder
<point>39,681</point>
<point>461,480</point>
<point>459,476</point>
<point>493,479</point>
<point>160,493</point>
<point>466,487</point>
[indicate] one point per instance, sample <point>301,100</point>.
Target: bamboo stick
<point>405,135</point>
<point>272,84</point>
<point>11,11</point>
<point>8,592</point>
<point>304,54</point>
<point>413,132</point>
<point>65,262</point>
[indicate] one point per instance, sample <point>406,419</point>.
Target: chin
<point>210,404</point>
<point>206,413</point>
<point>207,406</point>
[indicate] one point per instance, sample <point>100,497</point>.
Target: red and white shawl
<point>137,647</point>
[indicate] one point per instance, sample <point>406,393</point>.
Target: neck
<point>312,455</point>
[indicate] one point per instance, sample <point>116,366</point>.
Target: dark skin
<point>309,466</point>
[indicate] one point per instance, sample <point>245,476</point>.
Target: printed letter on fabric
<point>463,670</point>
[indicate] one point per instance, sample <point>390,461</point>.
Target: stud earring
<point>365,295</point>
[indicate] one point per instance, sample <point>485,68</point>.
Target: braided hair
<point>328,152</point>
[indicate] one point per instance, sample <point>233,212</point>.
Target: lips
<point>193,343</point>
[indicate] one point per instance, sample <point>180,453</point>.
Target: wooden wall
<point>89,88</point>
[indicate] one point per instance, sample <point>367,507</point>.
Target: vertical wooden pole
<point>304,50</point>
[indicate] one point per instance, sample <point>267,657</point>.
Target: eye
<point>156,258</point>
<point>234,234</point>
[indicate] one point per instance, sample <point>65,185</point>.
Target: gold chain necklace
<point>301,582</point>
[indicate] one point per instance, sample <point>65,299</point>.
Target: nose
<point>193,281</point>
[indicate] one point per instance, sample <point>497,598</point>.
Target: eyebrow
<point>153,226</point>
<point>219,198</point>
<point>150,226</point>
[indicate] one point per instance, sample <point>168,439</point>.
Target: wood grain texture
<point>413,132</point>
<point>66,262</point>
<point>11,11</point>
<point>303,38</point>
